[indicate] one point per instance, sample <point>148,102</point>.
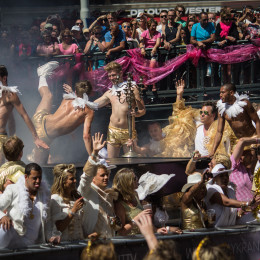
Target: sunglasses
<point>79,23</point>
<point>67,36</point>
<point>206,113</point>
<point>97,33</point>
<point>180,11</point>
<point>227,19</point>
<point>163,16</point>
<point>127,26</point>
<point>204,20</point>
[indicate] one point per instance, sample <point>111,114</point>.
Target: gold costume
<point>181,131</point>
<point>38,120</point>
<point>118,136</point>
<point>191,218</point>
<point>132,212</point>
<point>3,138</point>
<point>8,169</point>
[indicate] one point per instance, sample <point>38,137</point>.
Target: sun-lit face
<point>33,181</point>
<point>114,76</point>
<point>70,184</point>
<point>206,116</point>
<point>225,95</point>
<point>101,178</point>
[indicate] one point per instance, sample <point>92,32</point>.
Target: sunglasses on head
<point>163,16</point>
<point>206,113</point>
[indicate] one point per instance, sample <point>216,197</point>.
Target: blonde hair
<point>223,159</point>
<point>165,250</point>
<point>113,66</point>
<point>206,251</point>
<point>98,250</point>
<point>61,172</point>
<point>123,183</point>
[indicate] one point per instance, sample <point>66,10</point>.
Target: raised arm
<point>239,148</point>
<point>86,130</point>
<point>20,109</point>
<point>218,137</point>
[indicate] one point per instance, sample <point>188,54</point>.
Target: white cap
<point>218,169</point>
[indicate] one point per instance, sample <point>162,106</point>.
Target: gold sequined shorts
<point>118,136</point>
<point>38,120</point>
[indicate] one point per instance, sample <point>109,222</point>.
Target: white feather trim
<point>81,102</point>
<point>13,89</point>
<point>43,197</point>
<point>234,109</point>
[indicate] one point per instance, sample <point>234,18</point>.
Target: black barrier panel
<point>244,242</point>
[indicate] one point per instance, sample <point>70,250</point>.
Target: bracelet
<point>134,223</point>
<point>93,155</point>
<point>72,213</point>
<point>142,47</point>
<point>167,228</point>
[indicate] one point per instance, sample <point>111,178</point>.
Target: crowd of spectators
<point>174,28</point>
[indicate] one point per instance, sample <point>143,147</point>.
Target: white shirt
<point>200,141</point>
<point>33,224</point>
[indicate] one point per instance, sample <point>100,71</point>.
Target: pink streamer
<point>139,66</point>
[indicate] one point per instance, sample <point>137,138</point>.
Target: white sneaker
<point>47,69</point>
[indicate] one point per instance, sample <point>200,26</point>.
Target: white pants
<point>11,239</point>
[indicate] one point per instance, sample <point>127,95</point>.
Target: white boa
<point>234,109</point>
<point>120,87</point>
<point>43,196</point>
<point>13,89</point>
<point>81,102</point>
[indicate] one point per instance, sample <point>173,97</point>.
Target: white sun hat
<point>150,183</point>
<point>191,180</point>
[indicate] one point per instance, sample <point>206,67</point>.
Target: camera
<point>203,163</point>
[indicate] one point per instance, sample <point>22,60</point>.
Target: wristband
<point>142,47</point>
<point>93,155</point>
<point>72,213</point>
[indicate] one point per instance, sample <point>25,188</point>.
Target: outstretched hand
<point>39,143</point>
<point>180,85</point>
<point>97,142</point>
<point>67,88</point>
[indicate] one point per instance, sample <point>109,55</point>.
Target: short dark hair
<point>230,86</point>
<point>164,11</point>
<point>3,71</point>
<point>32,166</point>
<point>205,13</point>
<point>82,87</point>
<point>211,104</point>
<point>12,148</point>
